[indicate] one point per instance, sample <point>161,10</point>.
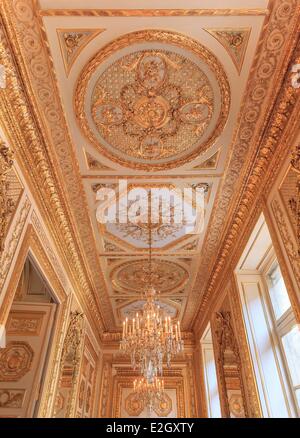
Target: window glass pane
<point>291,345</point>
<point>278,293</point>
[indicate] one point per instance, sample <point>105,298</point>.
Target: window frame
<point>282,325</point>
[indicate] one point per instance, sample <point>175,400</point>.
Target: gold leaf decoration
<point>95,164</point>
<point>211,163</point>
<point>235,41</point>
<point>72,42</point>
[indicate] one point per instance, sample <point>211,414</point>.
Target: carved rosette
<point>6,203</point>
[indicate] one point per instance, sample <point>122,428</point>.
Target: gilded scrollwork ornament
<point>229,367</point>
<point>6,203</point>
<point>70,363</point>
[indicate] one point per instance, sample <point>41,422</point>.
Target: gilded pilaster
<point>69,366</point>
<point>229,367</point>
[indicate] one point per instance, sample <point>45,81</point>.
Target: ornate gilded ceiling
<point>152,108</point>
<point>156,105</point>
<point>158,95</point>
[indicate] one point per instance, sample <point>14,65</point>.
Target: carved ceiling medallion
<point>135,275</point>
<point>152,105</point>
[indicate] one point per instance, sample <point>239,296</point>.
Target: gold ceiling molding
<point>235,41</point>
<point>34,62</point>
<point>94,164</point>
<point>23,136</point>
<point>289,242</point>
<point>161,104</point>
<point>134,276</point>
<point>275,140</point>
<point>295,165</point>
<point>151,12</point>
<point>239,157</point>
<point>49,250</point>
<point>151,177</point>
<point>108,115</point>
<point>7,204</point>
<point>275,49</point>
<point>72,42</point>
<point>111,247</point>
<point>9,252</point>
<point>278,211</point>
<point>211,163</point>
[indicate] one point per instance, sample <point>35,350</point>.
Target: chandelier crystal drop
<point>151,337</point>
<point>148,393</point>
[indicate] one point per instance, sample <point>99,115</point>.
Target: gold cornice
<point>157,176</point>
<point>22,129</point>
<point>151,12</point>
<point>249,142</point>
<point>278,135</point>
<point>41,165</point>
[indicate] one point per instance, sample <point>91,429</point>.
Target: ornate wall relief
<point>86,392</point>
<point>23,361</point>
<point>24,324</point>
<point>15,361</point>
<point>69,367</point>
<point>105,389</point>
<point>228,366</point>
<point>126,404</point>
<point>11,398</point>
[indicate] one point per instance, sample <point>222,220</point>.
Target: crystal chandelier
<point>151,336</point>
<point>148,392</point>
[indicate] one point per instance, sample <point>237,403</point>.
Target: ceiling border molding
<point>151,12</point>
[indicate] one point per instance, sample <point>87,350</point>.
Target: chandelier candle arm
<point>151,336</point>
